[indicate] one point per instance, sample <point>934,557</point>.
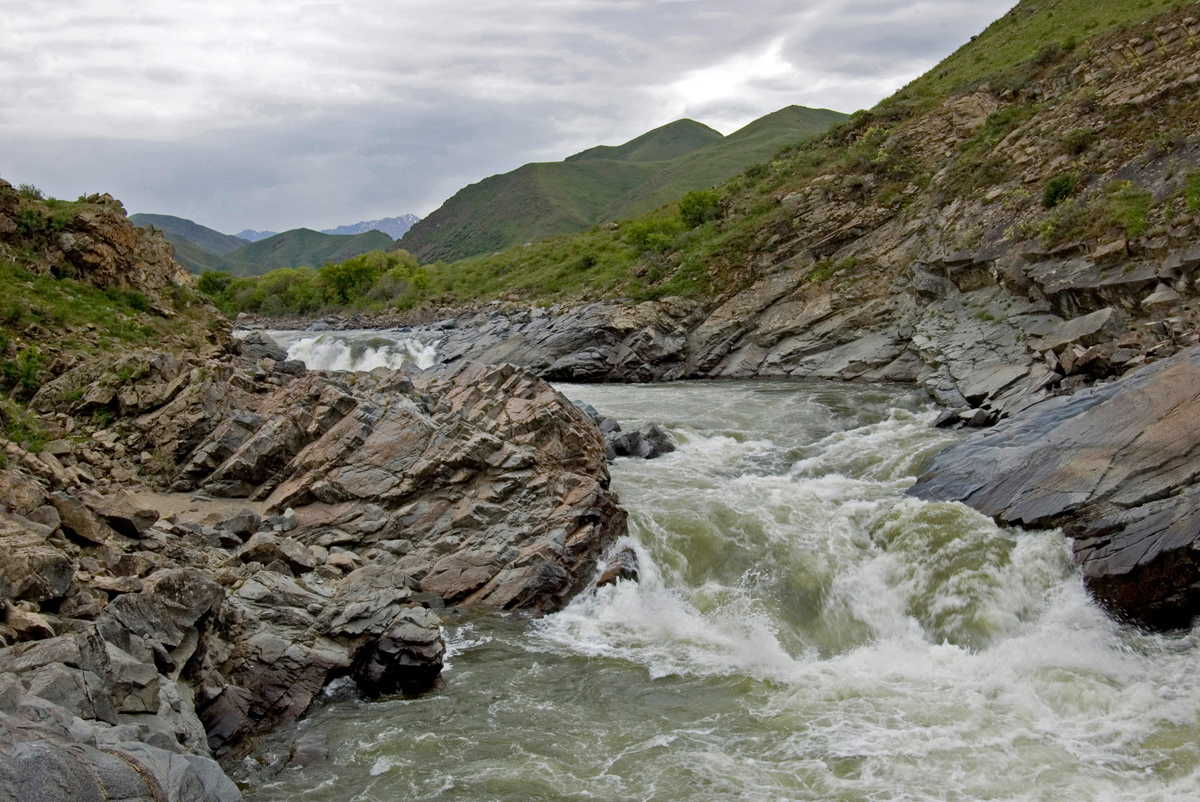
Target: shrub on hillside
<point>1058,189</point>
<point>654,235</point>
<point>699,206</point>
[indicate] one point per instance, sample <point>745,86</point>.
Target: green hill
<point>177,228</point>
<point>303,246</point>
<point>601,184</point>
<point>662,144</point>
<point>710,166</point>
<point>200,249</point>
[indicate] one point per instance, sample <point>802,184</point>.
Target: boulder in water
<point>648,442</point>
<point>623,564</point>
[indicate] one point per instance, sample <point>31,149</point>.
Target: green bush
<point>654,235</point>
<point>213,282</point>
<point>30,192</point>
<point>699,206</point>
<point>1058,189</point>
<point>1077,140</point>
<point>21,372</point>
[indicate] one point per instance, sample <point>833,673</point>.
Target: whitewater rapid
<point>358,349</point>
<point>801,630</point>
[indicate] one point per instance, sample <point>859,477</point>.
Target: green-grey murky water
<point>801,631</point>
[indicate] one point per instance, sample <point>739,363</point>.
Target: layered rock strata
<point>163,643</point>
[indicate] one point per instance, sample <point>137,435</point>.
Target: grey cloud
<point>246,113</point>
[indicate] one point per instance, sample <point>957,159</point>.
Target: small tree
<point>699,206</point>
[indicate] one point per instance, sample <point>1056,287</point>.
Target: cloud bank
<point>267,115</point>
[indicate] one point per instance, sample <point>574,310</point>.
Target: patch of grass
<point>1068,221</point>
<point>58,303</point>
<point>1130,208</point>
<point>20,426</point>
<point>1078,140</point>
<point>20,374</point>
<point>1191,192</point>
<point>821,272</point>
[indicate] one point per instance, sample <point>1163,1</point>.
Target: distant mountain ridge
<point>604,183</point>
<point>200,248</point>
<point>250,235</point>
<point>204,238</point>
<point>394,227</point>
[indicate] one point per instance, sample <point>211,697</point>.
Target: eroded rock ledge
<point>1115,466</point>
<point>142,647</point>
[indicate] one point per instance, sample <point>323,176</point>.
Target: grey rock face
<point>1115,467</point>
<point>648,442</point>
<point>259,345</point>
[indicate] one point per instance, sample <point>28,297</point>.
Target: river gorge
<point>801,629</point>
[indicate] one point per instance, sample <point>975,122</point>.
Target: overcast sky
<point>271,115</point>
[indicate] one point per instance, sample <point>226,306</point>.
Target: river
<point>801,631</point>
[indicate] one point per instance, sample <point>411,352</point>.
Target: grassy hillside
<point>662,144</point>
<point>198,260</point>
<point>601,184</point>
<point>304,247</point>
<point>1027,31</point>
<point>710,166</point>
<point>177,228</point>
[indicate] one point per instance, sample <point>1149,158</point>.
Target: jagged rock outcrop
<point>93,241</point>
<point>485,484</point>
<point>387,494</point>
<point>1115,466</point>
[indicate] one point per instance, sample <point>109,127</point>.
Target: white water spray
<point>357,350</point>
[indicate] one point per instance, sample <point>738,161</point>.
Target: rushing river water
<point>801,631</point>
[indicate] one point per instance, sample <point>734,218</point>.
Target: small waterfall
<point>358,350</point>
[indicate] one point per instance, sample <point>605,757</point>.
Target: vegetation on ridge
<point>52,315</point>
<point>602,184</point>
<point>879,163</point>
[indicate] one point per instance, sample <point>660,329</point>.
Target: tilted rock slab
<point>489,486</point>
<point>1115,466</point>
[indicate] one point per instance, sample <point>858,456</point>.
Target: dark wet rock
<point>622,564</point>
<point>293,638</point>
<point>1114,466</point>
<point>244,524</point>
<point>648,442</point>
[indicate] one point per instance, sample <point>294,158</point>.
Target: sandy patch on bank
<point>201,511</point>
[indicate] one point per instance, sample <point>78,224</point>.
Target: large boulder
<point>281,641</point>
<point>1115,466</point>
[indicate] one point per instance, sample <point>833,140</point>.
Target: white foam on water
<point>801,630</point>
<point>358,350</point>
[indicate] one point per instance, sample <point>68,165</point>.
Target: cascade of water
<point>800,630</point>
<point>357,350</point>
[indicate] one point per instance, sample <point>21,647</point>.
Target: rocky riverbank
<point>167,642</point>
<point>137,649</point>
